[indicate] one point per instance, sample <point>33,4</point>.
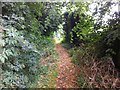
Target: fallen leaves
<point>66,70</point>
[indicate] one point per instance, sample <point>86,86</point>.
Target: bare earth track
<point>67,71</point>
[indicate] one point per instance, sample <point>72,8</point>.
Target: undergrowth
<point>94,72</point>
<point>48,72</point>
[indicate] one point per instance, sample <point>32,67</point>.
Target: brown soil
<point>67,71</point>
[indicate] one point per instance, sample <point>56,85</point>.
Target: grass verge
<point>49,72</point>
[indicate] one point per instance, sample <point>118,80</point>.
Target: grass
<point>81,81</point>
<point>77,54</point>
<point>52,76</point>
<point>48,80</point>
<point>49,73</point>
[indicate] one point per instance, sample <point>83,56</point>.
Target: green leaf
<point>2,59</point>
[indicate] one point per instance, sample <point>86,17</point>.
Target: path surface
<point>67,72</point>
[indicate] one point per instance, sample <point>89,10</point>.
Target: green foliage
<point>81,82</point>
<point>75,53</point>
<point>109,44</point>
<point>48,69</point>
<point>24,43</point>
<point>27,36</point>
<point>98,43</point>
<point>78,25</point>
<point>84,28</point>
<point>82,56</point>
<point>94,31</point>
<point>110,38</point>
<point>20,59</point>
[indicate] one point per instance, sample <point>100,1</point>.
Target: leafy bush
<point>19,59</point>
<point>109,43</point>
<point>23,44</point>
<point>81,55</point>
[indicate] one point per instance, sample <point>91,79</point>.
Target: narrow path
<point>67,72</point>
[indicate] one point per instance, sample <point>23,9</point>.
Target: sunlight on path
<point>57,40</point>
<point>67,72</point>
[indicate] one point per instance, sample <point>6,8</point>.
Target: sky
<point>114,8</point>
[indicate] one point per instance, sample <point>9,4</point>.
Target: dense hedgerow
<point>23,41</point>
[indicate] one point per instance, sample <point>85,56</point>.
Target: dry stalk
<point>101,74</point>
